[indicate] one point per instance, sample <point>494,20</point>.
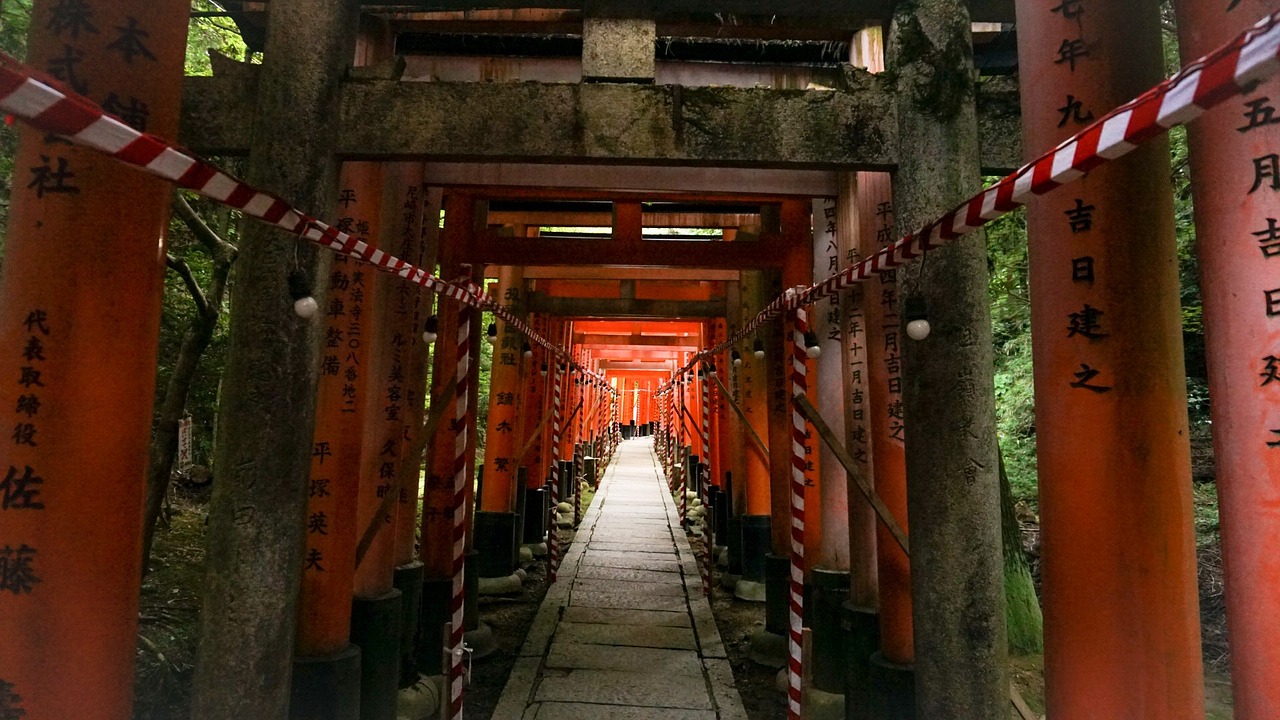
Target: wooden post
<point>498,494</point>
<point>1121,610</point>
<point>1238,240</point>
<point>79,314</point>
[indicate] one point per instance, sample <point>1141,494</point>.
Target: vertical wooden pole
<point>1237,207</point>
<point>887,429</point>
<point>497,494</point>
<point>754,399</point>
<point>328,566</point>
<point>79,314</point>
<point>1120,594</point>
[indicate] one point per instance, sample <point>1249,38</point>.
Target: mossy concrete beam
<point>854,127</point>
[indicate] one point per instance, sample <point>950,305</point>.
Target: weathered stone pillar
<point>1121,612</point>
<point>79,315</point>
<point>952,481</point>
<point>257,520</point>
<point>1238,240</point>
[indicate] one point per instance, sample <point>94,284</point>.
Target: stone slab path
<point>625,632</point>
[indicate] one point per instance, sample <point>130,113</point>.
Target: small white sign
<point>185,459</point>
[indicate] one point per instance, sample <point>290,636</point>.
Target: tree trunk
<point>164,439</point>
<point>1022,607</point>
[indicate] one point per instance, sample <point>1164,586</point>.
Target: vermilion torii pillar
<point>328,567</point>
<point>79,315</point>
<point>1120,596</point>
<point>1235,179</point>
<point>496,521</point>
<point>753,380</point>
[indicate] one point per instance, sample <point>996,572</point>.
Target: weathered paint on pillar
<point>79,313</point>
<point>501,440</point>
<point>1236,186</point>
<point>753,378</point>
<point>367,314</point>
<point>886,428</point>
<point>328,565</point>
<point>948,392</point>
<point>422,305</point>
<point>827,383</point>
<point>1121,611</point>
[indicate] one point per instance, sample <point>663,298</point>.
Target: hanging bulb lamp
<point>300,290</point>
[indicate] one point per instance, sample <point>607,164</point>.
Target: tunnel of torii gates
<point>573,190</point>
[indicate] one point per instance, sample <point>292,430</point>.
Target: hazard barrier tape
<point>48,105</point>
<point>1231,70</point>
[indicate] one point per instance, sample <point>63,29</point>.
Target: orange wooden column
<point>79,315</point>
<point>324,614</point>
<point>1236,189</point>
<point>885,427</point>
<point>422,306</point>
<point>498,490</point>
<point>754,402</point>
<point>533,407</point>
<point>1120,594</point>
<point>827,384</point>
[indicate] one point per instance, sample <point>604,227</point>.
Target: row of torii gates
<point>319,416</point>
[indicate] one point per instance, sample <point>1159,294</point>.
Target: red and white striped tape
<point>460,483</point>
<point>553,536</point>
<point>799,387</point>
<point>1229,71</point>
<point>49,106</point>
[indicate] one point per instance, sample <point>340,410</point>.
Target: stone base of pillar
<point>538,549</point>
<point>819,705</point>
<point>375,628</point>
<point>421,701</point>
<point>862,626</point>
<point>495,541</point>
<point>768,649</point>
<point>730,582</point>
<point>408,580</point>
<point>507,585</point>
<point>893,690</point>
<point>326,688</point>
<point>831,641</point>
<point>524,556</point>
<point>436,595</point>
<point>481,641</point>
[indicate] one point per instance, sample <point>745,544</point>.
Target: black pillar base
<point>756,542</point>
<point>535,516</point>
<point>436,595</point>
<point>471,592</point>
<point>326,688</point>
<point>495,544</point>
<point>893,690</point>
<point>375,628</point>
<point>522,482</point>
<point>830,640</point>
<point>777,593</point>
<point>733,540</point>
<point>408,580</point>
<point>862,626</point>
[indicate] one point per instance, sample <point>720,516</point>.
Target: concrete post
<point>257,519</point>
<point>952,481</point>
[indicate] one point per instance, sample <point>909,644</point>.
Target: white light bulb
<point>305,307</point>
<point>759,354</point>
<point>813,351</point>
<point>429,337</point>
<point>918,329</point>
<point>737,362</point>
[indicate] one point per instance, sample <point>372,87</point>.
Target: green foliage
<point>211,34</point>
<point>15,19</point>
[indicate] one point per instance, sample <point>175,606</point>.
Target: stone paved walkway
<point>625,632</point>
